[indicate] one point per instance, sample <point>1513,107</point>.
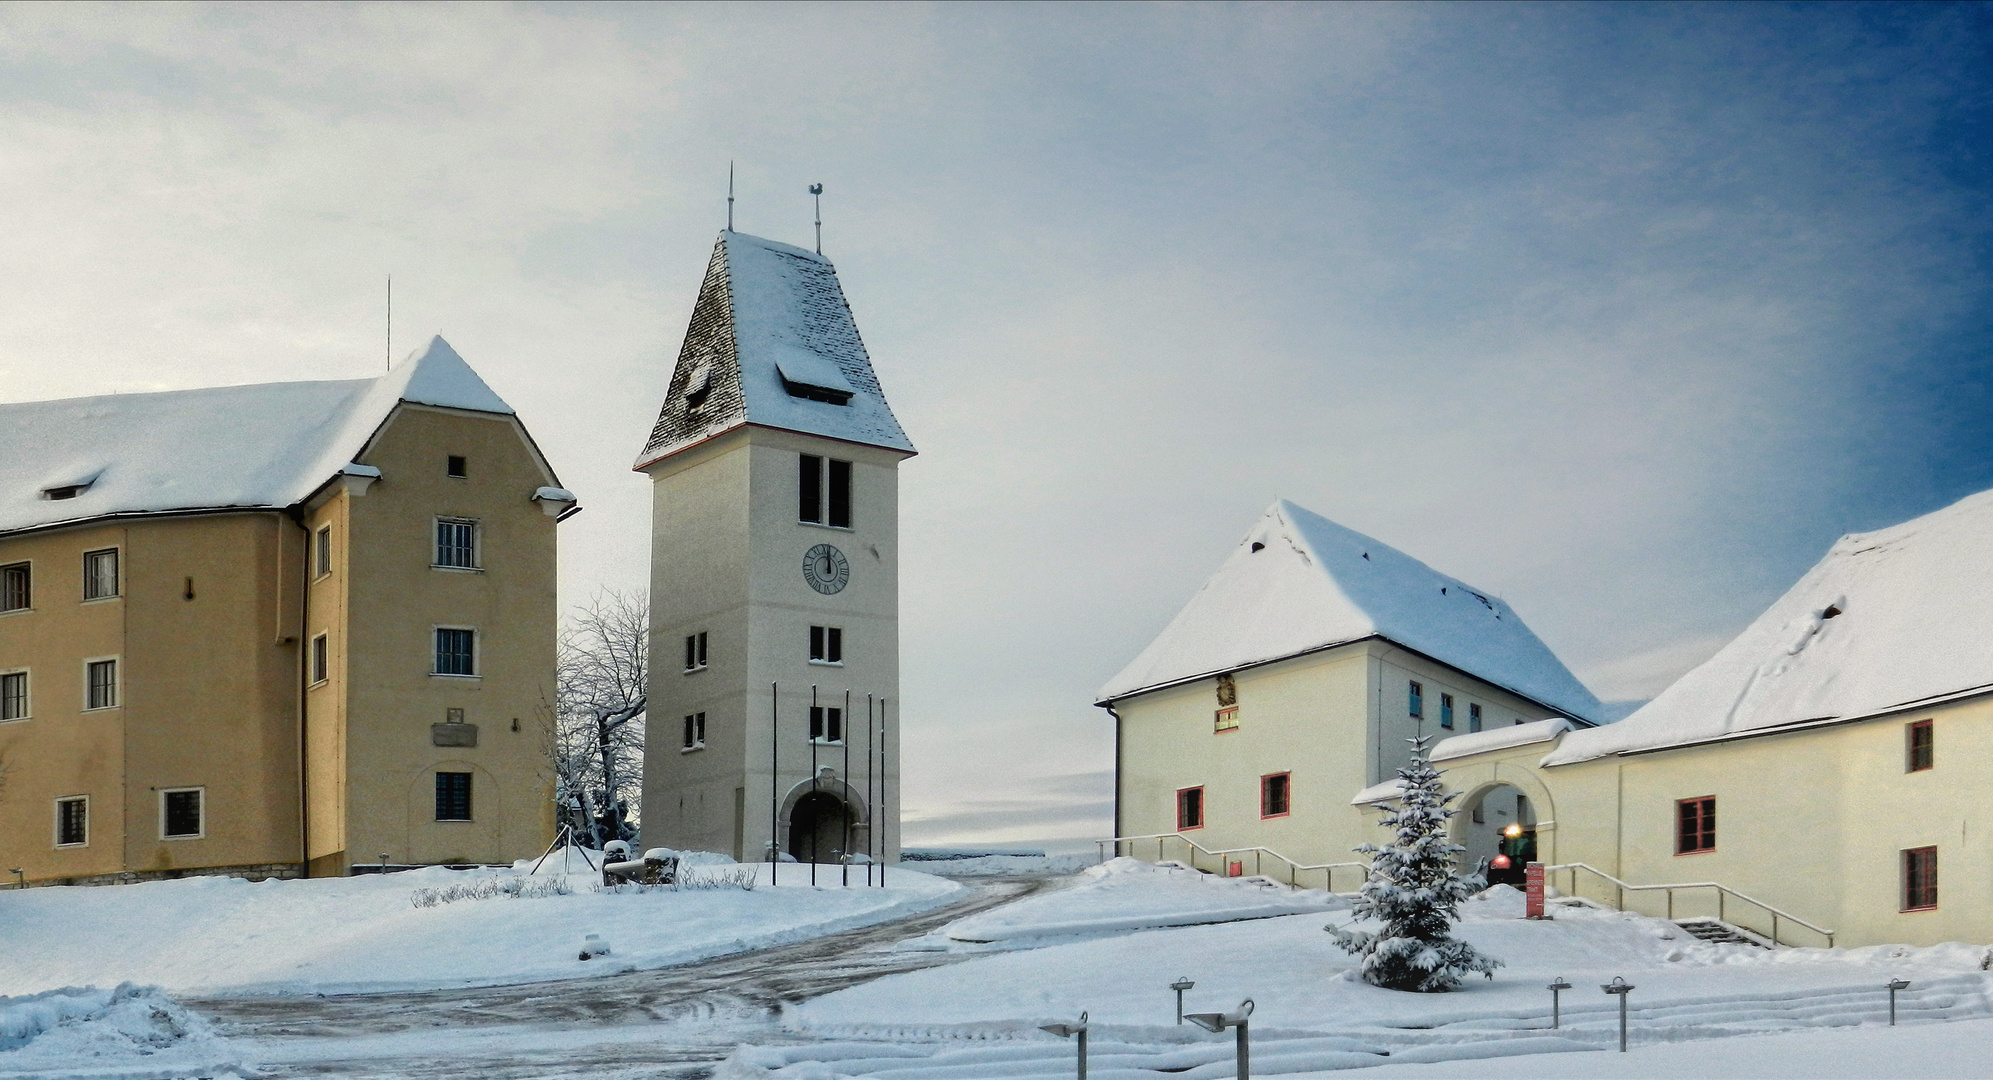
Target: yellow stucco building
<point>1812,783</point>
<point>277,629</point>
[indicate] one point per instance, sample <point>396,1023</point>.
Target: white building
<point>774,690</point>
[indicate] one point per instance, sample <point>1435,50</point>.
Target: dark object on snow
<point>658,867</point>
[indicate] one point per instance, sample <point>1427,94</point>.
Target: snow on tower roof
<point>255,447</point>
<point>1299,582</point>
<point>771,342</point>
<point>1887,620</point>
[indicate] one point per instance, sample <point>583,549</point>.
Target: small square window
<point>456,651</point>
<point>16,591</point>
<point>1416,700</point>
<point>1920,879</point>
<point>826,724</point>
<point>456,543</point>
<point>1446,710</point>
<point>72,822</point>
<point>827,644</point>
<point>324,551</point>
<point>1226,719</point>
<point>14,696</point>
<point>320,659</point>
<point>458,466</point>
<point>453,796</point>
<point>100,574</point>
<point>1273,793</point>
<point>695,730</point>
<point>1189,808</point>
<point>1473,717</point>
<point>695,651</point>
<point>101,684</point>
<point>182,814</point>
<point>1695,825</point>
<point>1922,747</point>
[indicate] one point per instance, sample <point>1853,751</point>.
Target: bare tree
<point>599,716</point>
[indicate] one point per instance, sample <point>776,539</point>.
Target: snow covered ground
<point>981,1017</point>
<point>1002,865</point>
<point>222,936</point>
<point>1128,894</point>
<point>129,1032</point>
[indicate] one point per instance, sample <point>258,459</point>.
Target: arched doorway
<point>1499,821</point>
<point>819,828</point>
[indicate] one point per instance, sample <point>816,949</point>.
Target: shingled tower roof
<point>772,343</point>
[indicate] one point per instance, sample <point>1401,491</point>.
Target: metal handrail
<point>1294,869</point>
<point>1722,892</point>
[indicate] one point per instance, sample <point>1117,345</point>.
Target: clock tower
<point>773,719</point>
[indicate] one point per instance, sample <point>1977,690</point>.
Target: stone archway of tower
<point>835,788</point>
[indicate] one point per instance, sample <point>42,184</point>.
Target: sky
<point>1623,312</point>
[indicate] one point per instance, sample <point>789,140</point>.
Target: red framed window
<point>1920,879</point>
<point>1274,793</point>
<point>1695,825</point>
<point>1189,808</point>
<point>1920,747</point>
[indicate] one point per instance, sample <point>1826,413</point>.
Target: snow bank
<point>999,865</point>
<point>129,1032</point>
<point>217,935</point>
<point>1128,894</point>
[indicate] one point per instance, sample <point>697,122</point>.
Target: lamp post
<point>1619,988</point>
<point>1067,1031</point>
<point>1556,988</point>
<point>1895,985</point>
<point>1180,986</point>
<point>1216,1022</point>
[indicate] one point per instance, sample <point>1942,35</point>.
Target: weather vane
<point>816,191</point>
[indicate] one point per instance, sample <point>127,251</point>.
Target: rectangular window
<point>72,821</point>
<point>809,488</point>
<point>320,661</point>
<point>1273,795</point>
<point>1920,879</point>
<point>1417,700</point>
<point>100,684</point>
<point>827,644</point>
<point>1189,808</point>
<point>1446,710</point>
<point>456,651</point>
<point>325,551</point>
<point>453,796</point>
<point>1695,825</point>
<point>14,696</point>
<point>456,543</point>
<point>100,574</point>
<point>695,730</point>
<point>1922,747</point>
<point>16,592</point>
<point>695,651</point>
<point>457,466</point>
<point>1473,716</point>
<point>838,513</point>
<point>182,814</point>
<point>826,724</point>
<point>1226,719</point>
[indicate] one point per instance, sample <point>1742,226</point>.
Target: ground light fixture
<point>1619,988</point>
<point>1895,985</point>
<point>1216,1022</point>
<point>1067,1031</point>
<point>1556,988</point>
<point>1180,986</point>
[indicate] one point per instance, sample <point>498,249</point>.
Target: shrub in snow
<point>1416,893</point>
<point>517,888</point>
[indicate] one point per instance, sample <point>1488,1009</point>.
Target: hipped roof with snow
<point>1887,620</point>
<point>771,343</point>
<point>1299,582</point>
<point>267,446</point>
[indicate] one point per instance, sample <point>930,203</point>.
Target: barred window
<point>456,651</point>
<point>1190,808</point>
<point>182,815</point>
<point>1273,795</point>
<point>453,796</point>
<point>72,822</point>
<point>1695,825</point>
<point>456,543</point>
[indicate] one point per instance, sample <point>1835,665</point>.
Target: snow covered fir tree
<point>1415,892</point>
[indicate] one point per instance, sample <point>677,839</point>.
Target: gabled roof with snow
<point>1500,738</point>
<point>1887,619</point>
<point>771,342</point>
<point>1299,582</point>
<point>253,447</point>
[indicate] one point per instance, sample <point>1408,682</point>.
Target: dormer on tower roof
<point>771,343</point>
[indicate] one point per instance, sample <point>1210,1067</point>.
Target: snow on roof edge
<point>1500,738</point>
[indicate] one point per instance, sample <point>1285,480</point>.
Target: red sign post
<point>1533,890</point>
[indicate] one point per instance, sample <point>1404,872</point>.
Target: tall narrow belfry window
<point>695,651</point>
<point>16,588</point>
<point>324,551</point>
<point>456,651</point>
<point>100,684</point>
<point>838,513</point>
<point>1920,879</point>
<point>826,724</point>
<point>809,488</point>
<point>1922,746</point>
<point>695,730</point>
<point>456,543</point>
<point>823,491</point>
<point>14,696</point>
<point>100,574</point>
<point>453,796</point>
<point>1695,825</point>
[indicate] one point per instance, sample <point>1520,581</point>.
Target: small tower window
<point>458,466</point>
<point>695,651</point>
<point>826,645</point>
<point>823,491</point>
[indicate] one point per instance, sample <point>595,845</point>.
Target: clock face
<point>826,569</point>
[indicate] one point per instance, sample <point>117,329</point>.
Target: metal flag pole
<point>730,196</point>
<point>774,773</point>
<point>885,781</point>
<point>816,192</point>
<point>816,717</point>
<point>871,804</point>
<point>844,736</point>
